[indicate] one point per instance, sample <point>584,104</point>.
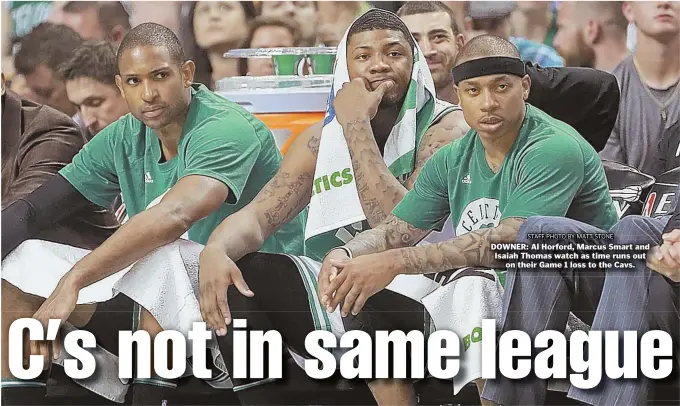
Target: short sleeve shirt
<point>220,140</point>
<point>550,171</point>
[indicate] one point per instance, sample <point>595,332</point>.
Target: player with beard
<point>516,162</point>
<point>380,61</point>
<point>184,159</point>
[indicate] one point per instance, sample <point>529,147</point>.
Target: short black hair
<point>110,13</point>
<point>422,7</point>
<point>95,60</point>
<point>48,44</point>
<point>378,19</point>
<point>155,35</point>
<point>486,46</point>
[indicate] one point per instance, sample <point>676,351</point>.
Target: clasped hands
<point>665,258</point>
<point>351,282</point>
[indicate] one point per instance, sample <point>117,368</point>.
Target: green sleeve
<point>426,206</point>
<point>92,171</point>
<point>225,150</point>
<point>550,175</point>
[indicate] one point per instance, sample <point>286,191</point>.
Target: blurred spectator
<point>650,95</point>
<point>165,13</point>
<point>493,17</point>
<point>267,33</point>
<point>40,54</point>
<point>334,19</point>
<point>96,20</point>
<point>434,27</point>
<point>592,34</point>
<point>303,13</point>
<point>535,21</point>
<point>90,77</point>
<point>209,30</point>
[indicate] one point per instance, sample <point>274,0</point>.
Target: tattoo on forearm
<point>368,242</point>
<point>284,197</point>
<point>393,233</point>
<point>471,249</point>
<point>379,191</point>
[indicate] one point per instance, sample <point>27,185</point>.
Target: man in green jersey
<point>184,159</point>
<point>515,163</point>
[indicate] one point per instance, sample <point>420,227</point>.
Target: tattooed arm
<point>378,259</point>
<point>379,191</point>
<point>471,249</point>
<point>283,198</point>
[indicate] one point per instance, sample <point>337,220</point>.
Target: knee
<point>635,230</point>
<point>16,303</point>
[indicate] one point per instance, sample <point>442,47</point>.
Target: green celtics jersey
<point>220,140</point>
<point>550,171</point>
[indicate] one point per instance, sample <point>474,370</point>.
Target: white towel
<point>340,206</point>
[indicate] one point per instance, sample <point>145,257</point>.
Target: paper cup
<point>322,64</point>
<point>289,64</point>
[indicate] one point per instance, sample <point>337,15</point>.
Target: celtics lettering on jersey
<point>479,213</point>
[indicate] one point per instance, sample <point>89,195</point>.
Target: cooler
<point>286,104</point>
<point>293,99</point>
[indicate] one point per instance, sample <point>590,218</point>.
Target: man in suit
<point>37,141</point>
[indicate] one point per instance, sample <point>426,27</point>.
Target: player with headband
<point>514,163</point>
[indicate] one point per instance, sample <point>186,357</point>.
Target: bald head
<point>486,46</point>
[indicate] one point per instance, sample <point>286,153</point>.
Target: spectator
<point>90,77</point>
<point>493,17</point>
<point>433,26</point>
<point>38,141</point>
<point>592,34</point>
<point>303,13</point>
<point>209,30</point>
<point>41,52</point>
<point>650,95</point>
<point>97,20</point>
<point>165,13</point>
<point>267,33</point>
<point>535,21</point>
<point>334,19</point>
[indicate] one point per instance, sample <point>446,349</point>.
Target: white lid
<point>269,52</point>
<point>284,83</point>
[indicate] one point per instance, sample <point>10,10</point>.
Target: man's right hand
<point>328,273</point>
<point>217,271</point>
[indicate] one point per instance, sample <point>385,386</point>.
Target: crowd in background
<point>39,37</point>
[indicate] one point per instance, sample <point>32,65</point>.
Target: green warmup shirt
<point>220,140</point>
<point>550,171</point>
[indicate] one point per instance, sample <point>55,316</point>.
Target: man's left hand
<point>60,305</point>
<point>359,279</point>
